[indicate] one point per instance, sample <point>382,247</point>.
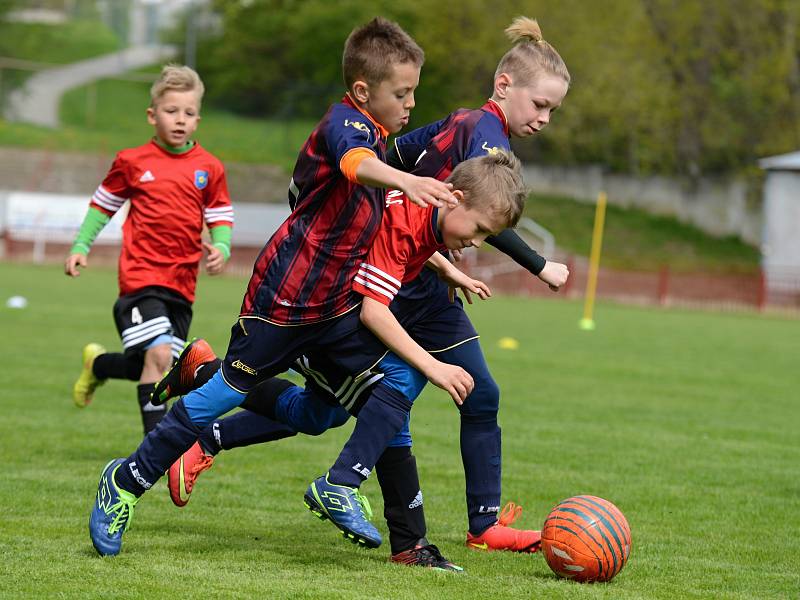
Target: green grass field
<point>686,420</point>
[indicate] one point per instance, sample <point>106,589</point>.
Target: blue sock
<point>245,428</point>
<point>305,412</point>
<point>379,421</point>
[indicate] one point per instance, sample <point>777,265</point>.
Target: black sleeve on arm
<point>508,242</point>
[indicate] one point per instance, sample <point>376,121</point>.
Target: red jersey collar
<point>493,107</point>
<point>348,99</point>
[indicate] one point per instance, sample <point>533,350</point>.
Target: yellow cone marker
<point>508,343</point>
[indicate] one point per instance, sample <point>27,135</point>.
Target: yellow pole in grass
<point>587,323</point>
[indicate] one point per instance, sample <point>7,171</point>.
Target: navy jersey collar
<point>435,227</point>
<point>493,107</point>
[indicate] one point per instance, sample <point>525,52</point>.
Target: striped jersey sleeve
<point>217,209</point>
<point>115,189</point>
<point>381,274</point>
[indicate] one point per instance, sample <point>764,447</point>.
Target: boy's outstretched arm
<point>377,317</point>
<point>509,242</point>
<point>92,225</point>
<point>423,191</point>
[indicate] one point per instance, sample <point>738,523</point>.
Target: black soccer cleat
<point>425,555</point>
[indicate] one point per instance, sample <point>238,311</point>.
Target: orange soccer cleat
<point>501,536</point>
<point>179,380</point>
<point>184,473</point>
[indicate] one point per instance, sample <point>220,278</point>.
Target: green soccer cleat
<point>83,390</point>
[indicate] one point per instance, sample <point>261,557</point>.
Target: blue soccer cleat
<point>346,508</point>
<point>112,513</point>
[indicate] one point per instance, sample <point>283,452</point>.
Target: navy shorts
<point>259,349</point>
<point>435,323</point>
<point>150,313</point>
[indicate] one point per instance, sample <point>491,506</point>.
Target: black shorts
<point>143,316</point>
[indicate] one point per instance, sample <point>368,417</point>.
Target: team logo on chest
<point>200,179</point>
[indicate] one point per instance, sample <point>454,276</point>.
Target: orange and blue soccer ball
<point>586,538</point>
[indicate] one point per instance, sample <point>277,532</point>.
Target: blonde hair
<point>372,49</point>
<point>492,183</point>
<point>530,55</point>
<point>177,78</point>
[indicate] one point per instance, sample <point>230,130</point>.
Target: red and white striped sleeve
<point>218,210</point>
<point>381,274</point>
<point>115,189</point>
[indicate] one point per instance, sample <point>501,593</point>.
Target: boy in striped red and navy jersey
<point>293,301</point>
<point>174,187</point>
<point>530,83</point>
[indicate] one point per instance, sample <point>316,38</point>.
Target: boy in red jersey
<point>299,296</point>
<point>174,186</point>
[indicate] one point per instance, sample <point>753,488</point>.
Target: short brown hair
<point>177,78</point>
<point>531,55</point>
<point>372,49</point>
<point>492,183</point>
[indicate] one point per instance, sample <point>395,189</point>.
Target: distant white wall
<point>716,206</point>
<point>35,216</point>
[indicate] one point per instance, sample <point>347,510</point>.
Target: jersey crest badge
<point>357,125</point>
<point>490,149</point>
<point>200,179</point>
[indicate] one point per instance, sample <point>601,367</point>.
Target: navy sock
<point>244,428</point>
<point>402,498</point>
<point>262,398</point>
<point>151,414</point>
<point>173,436</point>
<point>115,365</point>
<point>480,452</point>
<point>383,415</point>
<point>480,437</point>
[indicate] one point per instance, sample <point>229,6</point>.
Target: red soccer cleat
<point>179,380</point>
<point>501,536</point>
<point>184,472</point>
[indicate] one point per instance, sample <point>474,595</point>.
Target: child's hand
<point>73,262</point>
<point>452,379</point>
<point>554,274</point>
<point>427,191</point>
<point>215,261</point>
<point>457,279</point>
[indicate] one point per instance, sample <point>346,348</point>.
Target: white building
<point>780,248</point>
